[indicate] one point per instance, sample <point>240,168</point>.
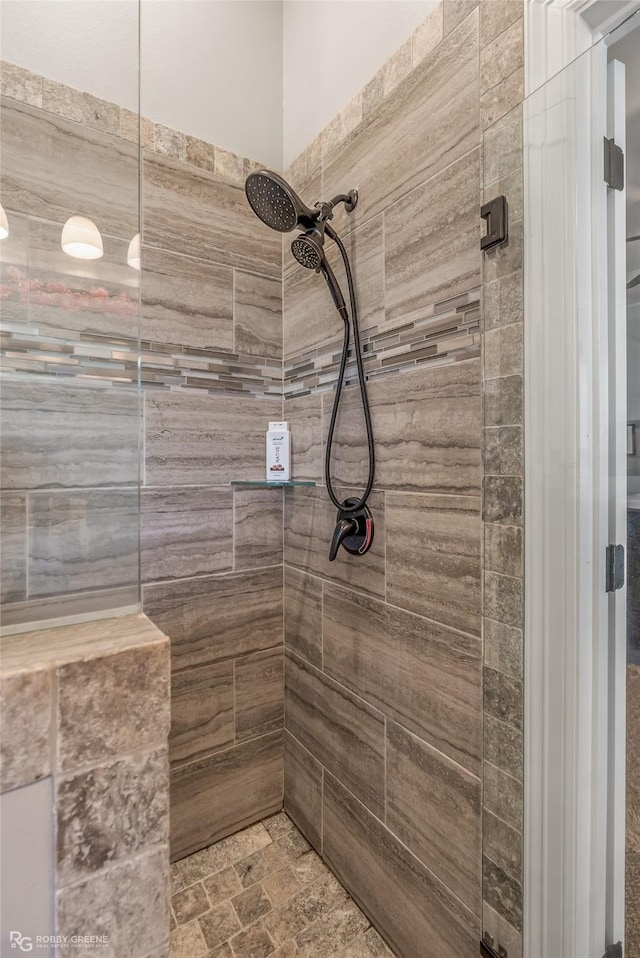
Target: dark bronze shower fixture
<point>278,206</point>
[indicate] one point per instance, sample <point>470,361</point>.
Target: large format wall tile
<point>304,415</point>
<point>427,426</point>
<point>344,733</point>
<point>54,434</point>
<point>53,168</point>
<point>433,806</point>
<point>416,913</point>
<point>303,789</point>
<point>425,676</point>
<point>433,558</point>
<point>185,300</point>
<point>185,532</point>
<point>258,314</point>
<point>203,215</point>
<point>437,259</point>
<point>303,615</point>
<point>202,711</point>
<point>430,120</point>
<point>310,519</point>
<point>225,792</point>
<point>259,693</point>
<point>257,528</point>
<point>197,439</point>
<point>80,541</point>
<point>218,617</point>
<point>13,555</point>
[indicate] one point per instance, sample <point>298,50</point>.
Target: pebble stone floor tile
<point>264,892</point>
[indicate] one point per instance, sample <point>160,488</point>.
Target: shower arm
<point>325,209</point>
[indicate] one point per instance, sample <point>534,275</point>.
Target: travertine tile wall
<point>89,706</point>
<point>384,704</point>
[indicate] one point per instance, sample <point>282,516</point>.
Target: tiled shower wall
<point>384,701</point>
<point>211,347</point>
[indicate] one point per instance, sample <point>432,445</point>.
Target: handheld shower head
<point>276,203</point>
<point>308,249</point>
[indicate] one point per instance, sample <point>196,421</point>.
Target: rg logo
<point>20,941</point>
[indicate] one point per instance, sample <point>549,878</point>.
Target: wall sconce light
<point>133,253</point>
<point>81,238</point>
<point>4,224</point>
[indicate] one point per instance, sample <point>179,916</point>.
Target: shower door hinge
<point>613,951</point>
<point>487,947</point>
<point>615,578</point>
<point>613,165</point>
<point>495,213</point>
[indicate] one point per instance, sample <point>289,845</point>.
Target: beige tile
<point>189,903</point>
<point>428,35</point>
<point>200,153</point>
<point>185,531</point>
<point>257,530</point>
<point>13,555</point>
<point>62,100</point>
<point>502,98</point>
<point>225,792</point>
<point>303,615</point>
<point>410,905</point>
<point>428,122</point>
<point>503,550</point>
<point>308,868</point>
<point>503,648</point>
<point>340,730</point>
<point>251,904</point>
<point>258,314</point>
<point>503,598</point>
<point>502,845</point>
<point>502,143</point>
<point>426,425</point>
<point>186,301</point>
<point>496,16</point>
<point>200,214</point>
<point>503,796</point>
<point>432,243</point>
<point>204,439</point>
<point>224,853</point>
<point>210,618</point>
<point>455,11</point>
<point>187,941</point>
<point>129,903</point>
<point>281,885</point>
<point>21,84</point>
<point>112,705</point>
<point>100,114</point>
<point>342,124</point>
<point>309,904</point>
<point>219,924</point>
<point>503,351</point>
<point>304,415</point>
<point>80,541</point>
<point>396,68</point>
<point>303,791</point>
<point>502,499</point>
<point>169,142</point>
<point>503,301</point>
<point>229,166</point>
<point>328,935</point>
<point>110,813</point>
<point>222,886</point>
<point>433,806</point>
<point>259,693</point>
<point>26,704</point>
<point>433,558</point>
<point>202,716</point>
<point>503,401</point>
<point>309,522</point>
<point>503,746</point>
<point>254,942</point>
<point>503,697</point>
<point>502,56</point>
<point>425,676</point>
<point>77,436</point>
<point>503,451</point>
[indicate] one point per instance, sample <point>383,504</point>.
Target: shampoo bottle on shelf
<point>278,452</point>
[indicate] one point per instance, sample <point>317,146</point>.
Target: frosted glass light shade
<point>133,253</point>
<point>81,238</point>
<point>4,224</point>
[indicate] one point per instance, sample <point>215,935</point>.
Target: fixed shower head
<point>276,203</point>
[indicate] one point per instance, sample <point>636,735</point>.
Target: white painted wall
<point>331,49</point>
<point>259,77</point>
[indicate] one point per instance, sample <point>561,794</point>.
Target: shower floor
<point>264,892</point>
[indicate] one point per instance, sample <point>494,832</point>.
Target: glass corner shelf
<point>259,484</point>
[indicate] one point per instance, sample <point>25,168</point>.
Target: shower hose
<point>357,505</point>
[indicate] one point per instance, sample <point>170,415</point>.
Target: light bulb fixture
<point>4,224</point>
<point>133,253</point>
<point>81,238</point>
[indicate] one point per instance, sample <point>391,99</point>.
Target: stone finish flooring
<point>264,892</point>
